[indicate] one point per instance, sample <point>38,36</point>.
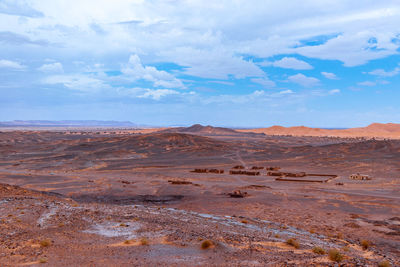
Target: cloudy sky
<point>330,63</point>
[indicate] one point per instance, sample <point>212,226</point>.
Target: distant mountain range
<point>378,130</point>
<point>66,123</point>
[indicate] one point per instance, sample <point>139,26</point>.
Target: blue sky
<point>227,63</point>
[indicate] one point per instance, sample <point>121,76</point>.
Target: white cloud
<point>77,82</point>
<point>366,83</point>
<point>52,67</point>
<point>286,92</point>
<point>214,63</point>
<point>155,94</point>
<point>158,93</point>
<point>383,73</point>
<point>373,83</point>
<point>334,91</point>
<point>11,64</point>
<point>134,70</point>
<point>303,80</point>
<point>18,8</point>
<point>289,63</point>
<point>329,75</point>
<point>264,82</point>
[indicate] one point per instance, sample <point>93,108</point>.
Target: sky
<point>236,63</point>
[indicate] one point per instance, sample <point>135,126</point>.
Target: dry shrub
<point>335,255</point>
<point>45,243</point>
<point>144,241</point>
<point>42,260</point>
<point>206,244</point>
<point>365,244</point>
<point>384,263</point>
<point>293,242</point>
<point>318,250</point>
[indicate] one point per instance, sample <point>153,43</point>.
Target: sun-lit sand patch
<point>29,263</point>
<point>113,229</point>
<point>368,254</point>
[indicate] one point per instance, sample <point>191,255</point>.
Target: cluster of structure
<point>280,176</point>
<point>287,174</point>
<point>208,171</point>
<point>252,173</point>
<point>360,177</point>
<point>237,194</point>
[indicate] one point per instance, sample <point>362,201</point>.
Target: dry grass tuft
<point>45,243</point>
<point>335,255</point>
<point>206,244</point>
<point>318,250</point>
<point>144,241</point>
<point>384,263</point>
<point>42,260</point>
<point>293,242</point>
<point>365,244</point>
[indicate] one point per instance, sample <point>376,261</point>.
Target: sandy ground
<point>108,199</point>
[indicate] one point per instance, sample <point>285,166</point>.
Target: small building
<point>359,176</point>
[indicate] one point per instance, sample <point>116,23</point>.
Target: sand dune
<point>374,130</point>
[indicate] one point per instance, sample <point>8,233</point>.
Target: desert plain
<point>112,197</point>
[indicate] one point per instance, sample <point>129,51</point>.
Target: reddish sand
<point>375,130</point>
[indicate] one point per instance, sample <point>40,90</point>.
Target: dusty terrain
<point>112,198</point>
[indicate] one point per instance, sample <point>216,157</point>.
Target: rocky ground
<point>93,200</point>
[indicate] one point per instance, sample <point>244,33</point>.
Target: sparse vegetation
<point>318,250</point>
<point>346,248</point>
<point>277,236</point>
<point>144,241</point>
<point>42,260</point>
<point>244,221</point>
<point>384,263</point>
<point>206,244</point>
<point>127,242</point>
<point>365,244</point>
<point>45,243</point>
<point>335,255</point>
<point>293,242</point>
